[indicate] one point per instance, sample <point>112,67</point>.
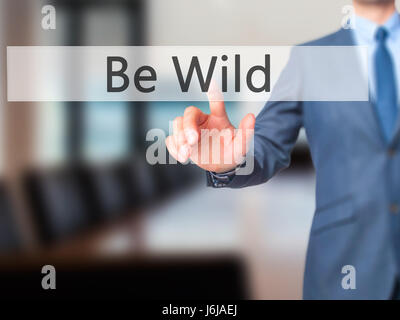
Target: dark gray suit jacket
<point>356,221</point>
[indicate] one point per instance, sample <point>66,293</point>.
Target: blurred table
<point>257,229</point>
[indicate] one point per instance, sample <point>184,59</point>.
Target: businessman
<point>355,148</point>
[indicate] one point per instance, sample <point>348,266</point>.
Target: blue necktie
<point>386,96</point>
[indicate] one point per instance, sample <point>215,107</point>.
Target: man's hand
<point>210,140</point>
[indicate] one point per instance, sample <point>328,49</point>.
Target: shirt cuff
<point>221,180</point>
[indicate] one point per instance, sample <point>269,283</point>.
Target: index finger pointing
<point>192,119</point>
<point>216,100</point>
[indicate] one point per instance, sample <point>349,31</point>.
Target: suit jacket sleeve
<point>276,130</point>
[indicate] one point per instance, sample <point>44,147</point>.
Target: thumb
<point>248,122</point>
<point>243,137</point>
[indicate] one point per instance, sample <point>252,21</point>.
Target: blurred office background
<point>76,191</point>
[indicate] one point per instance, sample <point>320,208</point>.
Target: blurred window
<point>50,117</point>
<point>50,139</point>
<point>106,130</point>
<point>106,133</point>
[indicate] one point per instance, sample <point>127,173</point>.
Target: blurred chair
<point>58,206</point>
<point>9,237</point>
<point>140,182</point>
<point>172,177</point>
<point>147,184</point>
<point>104,189</point>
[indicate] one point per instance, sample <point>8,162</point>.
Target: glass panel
<point>160,113</point>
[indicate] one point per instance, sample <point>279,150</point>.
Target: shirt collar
<point>366,28</point>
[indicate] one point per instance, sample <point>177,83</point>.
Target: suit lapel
<point>396,134</point>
